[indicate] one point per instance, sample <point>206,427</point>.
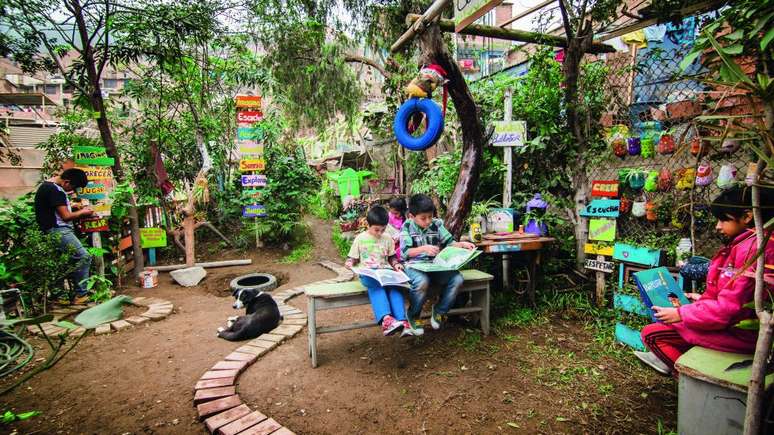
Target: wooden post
<point>96,241</point>
<point>508,184</point>
<point>600,285</point>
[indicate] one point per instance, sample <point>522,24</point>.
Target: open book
<point>658,288</point>
<point>450,258</point>
<point>386,277</point>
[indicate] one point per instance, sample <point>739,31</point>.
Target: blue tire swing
<point>434,118</point>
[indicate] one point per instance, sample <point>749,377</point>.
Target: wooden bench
<point>332,296</point>
<point>711,399</point>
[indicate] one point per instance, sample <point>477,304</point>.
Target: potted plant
<point>477,218</point>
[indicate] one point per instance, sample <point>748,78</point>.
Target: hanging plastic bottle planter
<point>536,209</point>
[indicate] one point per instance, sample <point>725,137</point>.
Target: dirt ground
<point>548,378</point>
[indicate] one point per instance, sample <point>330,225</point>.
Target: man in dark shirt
<point>55,216</point>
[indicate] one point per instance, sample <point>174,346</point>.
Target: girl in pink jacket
<point>710,320</point>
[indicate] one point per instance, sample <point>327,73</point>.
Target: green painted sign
<point>94,156</point>
<point>153,238</point>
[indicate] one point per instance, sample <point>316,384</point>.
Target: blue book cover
<point>658,288</point>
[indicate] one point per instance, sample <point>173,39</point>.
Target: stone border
<point>158,309</point>
<point>217,402</point>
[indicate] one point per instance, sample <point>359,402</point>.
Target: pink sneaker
<point>390,325</point>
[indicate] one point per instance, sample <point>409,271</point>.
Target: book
<point>386,277</point>
<point>450,258</point>
<point>658,288</point>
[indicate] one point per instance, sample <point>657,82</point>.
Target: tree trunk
<point>434,50</point>
<point>756,387</point>
<point>103,124</point>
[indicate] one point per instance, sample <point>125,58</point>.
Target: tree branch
<point>366,61</point>
<point>566,20</point>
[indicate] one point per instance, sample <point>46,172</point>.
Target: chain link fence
<point>654,136</point>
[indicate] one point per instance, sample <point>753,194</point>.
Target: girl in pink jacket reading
<point>710,321</point>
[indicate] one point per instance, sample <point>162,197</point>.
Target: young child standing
<point>397,218</point>
<point>710,320</point>
<point>376,250</point>
<point>422,238</point>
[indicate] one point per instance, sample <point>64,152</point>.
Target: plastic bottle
<point>683,251</point>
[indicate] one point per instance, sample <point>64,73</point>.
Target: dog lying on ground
<point>262,315</point>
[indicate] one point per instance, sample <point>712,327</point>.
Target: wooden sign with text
<point>94,225</point>
<point>607,188</point>
<point>602,208</point>
<point>247,165</point>
<point>253,210</point>
<point>250,147</point>
<point>254,180</point>
<point>601,266</point>
<point>509,133</point>
<point>249,116</point>
<point>93,191</point>
<point>602,229</point>
<point>248,101</point>
<point>97,172</point>
<point>153,238</point>
<point>94,156</point>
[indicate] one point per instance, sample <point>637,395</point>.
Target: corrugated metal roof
<point>29,137</point>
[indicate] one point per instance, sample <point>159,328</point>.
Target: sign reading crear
<point>509,134</point>
<point>153,238</point>
<point>607,188</point>
<point>95,156</point>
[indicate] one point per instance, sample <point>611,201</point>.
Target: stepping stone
<point>149,301</point>
<point>239,356</point>
<point>154,316</point>
<point>263,344</point>
<point>217,374</point>
<point>283,431</point>
<point>120,324</point>
<point>102,329</point>
<point>230,365</point>
<point>272,337</point>
<point>241,424</point>
<point>218,405</point>
<point>295,316</point>
<point>224,418</point>
<point>301,322</point>
<point>208,394</point>
<point>140,300</point>
<point>257,351</point>
<point>263,428</point>
<point>212,383</point>
<point>288,330</point>
<point>136,320</point>
<point>77,332</point>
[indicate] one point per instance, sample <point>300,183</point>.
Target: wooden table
<point>529,248</point>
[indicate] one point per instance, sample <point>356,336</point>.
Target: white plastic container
<point>683,251</point>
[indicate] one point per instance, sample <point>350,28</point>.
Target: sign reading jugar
<point>93,191</point>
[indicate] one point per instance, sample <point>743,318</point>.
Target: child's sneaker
<point>409,331</point>
<point>436,319</point>
<point>415,324</point>
<point>653,361</point>
<point>390,325</point>
<point>81,299</point>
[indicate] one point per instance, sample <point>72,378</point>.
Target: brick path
<point>215,396</point>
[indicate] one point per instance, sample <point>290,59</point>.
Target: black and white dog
<point>262,316</point>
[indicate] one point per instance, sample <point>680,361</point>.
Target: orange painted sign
<point>607,188</point>
<point>246,165</point>
<point>248,101</point>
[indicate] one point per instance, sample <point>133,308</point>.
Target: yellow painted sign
<point>246,165</point>
<point>97,172</point>
<point>594,248</point>
<point>101,210</point>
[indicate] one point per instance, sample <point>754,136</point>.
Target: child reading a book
<point>376,250</point>
<point>710,321</point>
<point>422,238</point>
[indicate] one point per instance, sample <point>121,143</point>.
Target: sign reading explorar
<point>468,11</point>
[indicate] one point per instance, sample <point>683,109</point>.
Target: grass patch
<point>469,340</point>
<point>342,244</point>
<point>298,254</point>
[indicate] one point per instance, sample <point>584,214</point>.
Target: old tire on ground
<point>260,281</point>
